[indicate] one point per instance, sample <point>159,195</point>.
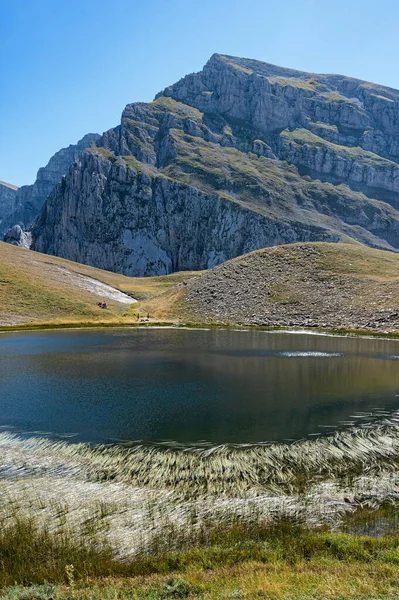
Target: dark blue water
<point>218,386</point>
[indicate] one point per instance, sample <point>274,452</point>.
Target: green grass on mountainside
<point>309,83</point>
<point>269,187</point>
<point>362,157</point>
<point>167,104</point>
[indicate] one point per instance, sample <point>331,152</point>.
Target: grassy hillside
<point>36,288</point>
<point>311,285</point>
<point>308,285</point>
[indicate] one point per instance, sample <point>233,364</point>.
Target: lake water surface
<point>192,385</point>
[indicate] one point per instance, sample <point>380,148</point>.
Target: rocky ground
<point>303,285</point>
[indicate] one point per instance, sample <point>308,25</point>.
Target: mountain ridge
<point>28,199</point>
<point>9,185</point>
<point>265,158</point>
<point>262,65</point>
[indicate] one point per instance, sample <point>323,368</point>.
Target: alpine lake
<point>193,387</point>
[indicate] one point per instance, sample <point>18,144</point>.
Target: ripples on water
<point>215,386</point>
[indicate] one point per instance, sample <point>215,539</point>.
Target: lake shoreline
<point>336,332</point>
<point>192,513</point>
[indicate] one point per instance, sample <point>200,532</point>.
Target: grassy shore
<point>283,560</point>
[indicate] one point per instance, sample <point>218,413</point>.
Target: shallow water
<point>193,385</point>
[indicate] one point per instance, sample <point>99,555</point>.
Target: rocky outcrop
<point>237,157</point>
<point>17,237</point>
<point>29,199</point>
<point>301,285</point>
<point>361,118</point>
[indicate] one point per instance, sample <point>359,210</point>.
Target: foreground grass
<point>305,581</point>
<point>283,560</point>
<point>232,558</point>
<point>279,561</point>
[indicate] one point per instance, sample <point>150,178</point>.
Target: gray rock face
<point>139,224</point>
<point>29,198</point>
<point>8,195</point>
<point>297,113</point>
<point>17,237</point>
<point>240,156</point>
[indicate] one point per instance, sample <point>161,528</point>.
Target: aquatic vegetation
<point>131,493</point>
<point>152,499</point>
<point>236,471</point>
<point>165,512</point>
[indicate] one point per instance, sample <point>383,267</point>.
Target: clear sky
<point>68,67</point>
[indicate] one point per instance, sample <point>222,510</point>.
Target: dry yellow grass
<point>36,288</point>
<point>311,580</point>
<point>168,306</point>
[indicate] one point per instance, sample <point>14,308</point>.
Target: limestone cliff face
<point>297,113</point>
<point>240,156</point>
<point>29,198</point>
<point>8,195</point>
<point>111,216</point>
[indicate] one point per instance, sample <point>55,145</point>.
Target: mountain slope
<point>311,285</point>
<point>29,199</point>
<point>237,157</point>
<point>35,288</point>
<point>306,284</point>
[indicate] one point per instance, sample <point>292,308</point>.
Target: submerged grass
<point>200,540</point>
<point>138,496</point>
<point>234,471</point>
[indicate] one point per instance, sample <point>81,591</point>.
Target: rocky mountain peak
<point>241,155</point>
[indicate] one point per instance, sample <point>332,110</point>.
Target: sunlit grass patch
<point>234,561</point>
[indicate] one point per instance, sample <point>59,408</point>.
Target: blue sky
<point>68,67</point>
